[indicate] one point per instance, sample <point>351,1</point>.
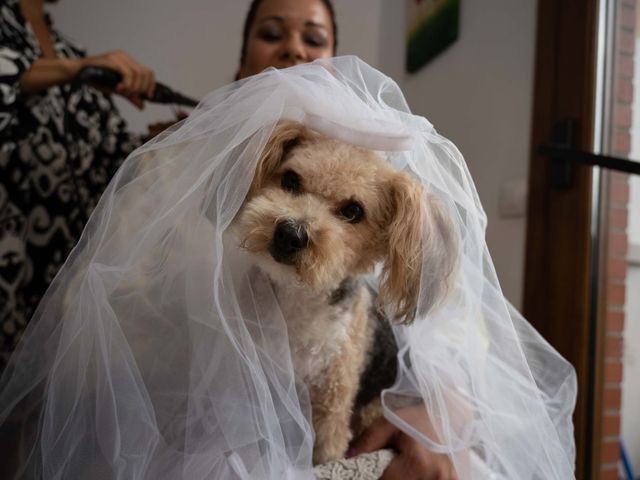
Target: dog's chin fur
<point>341,347</point>
<point>332,251</point>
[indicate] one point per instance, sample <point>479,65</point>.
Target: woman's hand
<point>412,462</point>
<point>137,82</point>
<point>159,127</point>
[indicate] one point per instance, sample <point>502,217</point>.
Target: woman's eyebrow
<point>278,18</point>
<point>272,17</point>
<point>314,24</point>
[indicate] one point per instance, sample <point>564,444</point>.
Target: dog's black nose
<point>289,238</point>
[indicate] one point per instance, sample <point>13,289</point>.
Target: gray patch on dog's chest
<point>345,293</point>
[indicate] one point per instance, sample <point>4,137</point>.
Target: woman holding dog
<point>284,33</point>
<point>170,346</point>
<point>37,67</point>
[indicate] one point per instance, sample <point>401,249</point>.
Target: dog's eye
<point>290,181</point>
<point>352,212</point>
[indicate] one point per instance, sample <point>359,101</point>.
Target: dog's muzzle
<point>289,238</point>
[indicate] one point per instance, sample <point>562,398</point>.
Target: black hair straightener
<point>104,77</point>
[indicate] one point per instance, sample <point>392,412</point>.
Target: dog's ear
<point>422,252</point>
<point>285,136</point>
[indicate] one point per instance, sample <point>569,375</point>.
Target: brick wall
<point>616,218</point>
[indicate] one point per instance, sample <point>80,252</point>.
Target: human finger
<point>145,78</point>
<point>415,461</point>
<point>135,99</point>
<point>377,436</point>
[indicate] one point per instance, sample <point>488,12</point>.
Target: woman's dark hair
<point>251,16</point>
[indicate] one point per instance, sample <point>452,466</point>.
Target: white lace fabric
<point>368,466</point>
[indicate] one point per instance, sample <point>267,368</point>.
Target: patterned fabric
<point>368,466</point>
<point>58,151</point>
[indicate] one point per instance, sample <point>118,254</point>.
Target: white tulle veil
<point>155,355</point>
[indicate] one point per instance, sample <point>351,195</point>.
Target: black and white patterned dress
<point>58,151</point>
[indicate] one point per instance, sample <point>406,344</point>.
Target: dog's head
<point>320,211</point>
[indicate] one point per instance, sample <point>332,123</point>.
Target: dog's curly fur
<point>319,215</point>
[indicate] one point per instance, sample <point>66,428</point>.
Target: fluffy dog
<point>319,215</point>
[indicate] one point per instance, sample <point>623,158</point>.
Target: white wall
<point>192,45</point>
<point>630,419</point>
<point>478,92</point>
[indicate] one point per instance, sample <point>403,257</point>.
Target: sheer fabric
<point>158,353</point>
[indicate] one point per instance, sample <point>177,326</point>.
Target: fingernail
<point>350,452</point>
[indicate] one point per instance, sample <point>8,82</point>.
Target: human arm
<point>413,461</point>
<point>137,80</point>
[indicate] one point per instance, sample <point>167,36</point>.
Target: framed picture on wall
<point>432,25</point>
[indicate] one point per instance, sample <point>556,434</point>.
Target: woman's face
<point>286,33</point>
